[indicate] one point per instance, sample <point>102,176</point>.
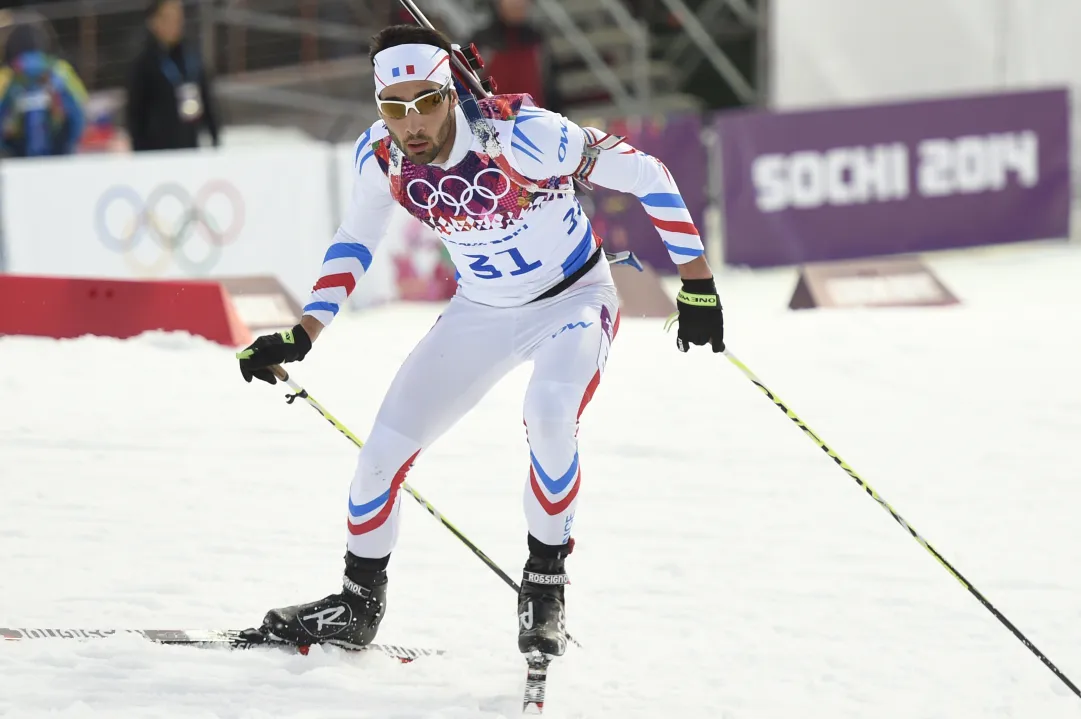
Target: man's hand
<point>701,317</point>
<point>285,346</point>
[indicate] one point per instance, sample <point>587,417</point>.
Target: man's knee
<point>383,463</point>
<point>551,409</point>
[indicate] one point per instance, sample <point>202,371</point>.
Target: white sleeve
<point>545,144</point>
<point>610,162</point>
<point>358,236</point>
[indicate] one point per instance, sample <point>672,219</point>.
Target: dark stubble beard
<point>434,148</point>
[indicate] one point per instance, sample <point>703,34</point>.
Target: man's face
<point>420,137</point>
<point>168,24</point>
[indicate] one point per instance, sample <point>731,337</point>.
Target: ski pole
<point>886,505</point>
<point>302,393</point>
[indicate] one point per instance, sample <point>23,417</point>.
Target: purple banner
<point>619,218</point>
<point>895,178</point>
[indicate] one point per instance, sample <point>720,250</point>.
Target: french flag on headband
<point>403,63</point>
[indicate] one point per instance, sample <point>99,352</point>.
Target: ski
<point>222,638</point>
<point>536,681</point>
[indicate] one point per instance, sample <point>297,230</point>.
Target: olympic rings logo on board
<point>171,226</point>
<point>460,204</point>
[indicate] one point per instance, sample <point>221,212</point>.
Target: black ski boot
<point>541,612</point>
<point>350,618</point>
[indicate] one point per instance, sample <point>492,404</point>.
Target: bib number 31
<point>510,262</point>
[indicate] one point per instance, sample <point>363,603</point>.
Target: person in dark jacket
<point>169,98</point>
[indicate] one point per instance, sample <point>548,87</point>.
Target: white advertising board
<point>232,212</point>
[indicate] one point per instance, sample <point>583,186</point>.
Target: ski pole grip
<point>280,373</point>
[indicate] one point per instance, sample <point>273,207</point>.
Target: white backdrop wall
<point>230,212</point>
<point>827,52</point>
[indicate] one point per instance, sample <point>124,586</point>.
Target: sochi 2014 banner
<point>895,178</point>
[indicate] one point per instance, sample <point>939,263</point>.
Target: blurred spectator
<point>168,91</point>
<point>42,100</point>
<point>516,56</point>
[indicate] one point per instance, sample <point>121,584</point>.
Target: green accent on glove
<point>700,300</point>
<point>287,338</point>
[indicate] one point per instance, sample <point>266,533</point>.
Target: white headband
<point>402,63</point>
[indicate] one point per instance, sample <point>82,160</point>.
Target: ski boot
<point>541,612</point>
<point>350,618</point>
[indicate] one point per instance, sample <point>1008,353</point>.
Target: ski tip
<point>536,682</point>
<point>537,659</point>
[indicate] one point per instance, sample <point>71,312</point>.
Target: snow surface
<point>724,568</point>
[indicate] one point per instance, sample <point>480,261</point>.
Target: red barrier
<point>64,307</point>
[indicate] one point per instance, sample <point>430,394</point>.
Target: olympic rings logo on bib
<point>443,197</point>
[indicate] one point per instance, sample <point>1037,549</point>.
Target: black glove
<point>701,317</point>
<point>285,346</point>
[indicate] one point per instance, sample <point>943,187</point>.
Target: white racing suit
<point>533,286</point>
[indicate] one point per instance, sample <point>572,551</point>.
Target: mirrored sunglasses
<point>425,104</point>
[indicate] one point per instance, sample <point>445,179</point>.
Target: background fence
<point>792,141</point>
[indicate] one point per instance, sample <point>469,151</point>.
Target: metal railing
<point>634,101</point>
<point>692,25</point>
<point>611,82</point>
<point>269,54</point>
<point>640,40</point>
<point>681,52</point>
<point>263,62</point>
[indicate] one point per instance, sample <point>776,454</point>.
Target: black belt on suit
<point>571,278</point>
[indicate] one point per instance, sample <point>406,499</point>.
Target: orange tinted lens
<point>427,104</point>
<point>393,109</point>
